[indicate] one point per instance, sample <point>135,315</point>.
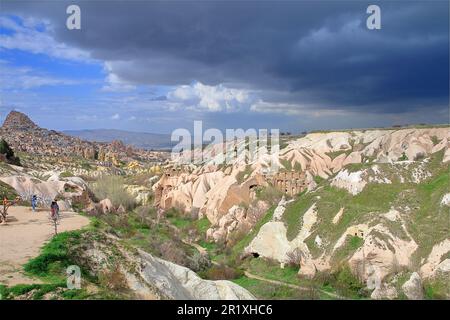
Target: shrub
<point>112,187</point>
<point>222,272</point>
<point>404,157</point>
<point>8,153</point>
<point>172,252</point>
<point>145,212</point>
<point>437,288</point>
<point>294,257</point>
<point>199,262</point>
<point>348,284</point>
<point>66,174</point>
<point>113,278</point>
<point>420,156</point>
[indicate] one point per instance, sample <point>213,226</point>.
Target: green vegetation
<point>86,165</point>
<point>35,291</point>
<point>66,174</point>
<point>348,284</point>
<point>271,270</point>
<point>263,290</point>
<point>334,154</point>
<point>297,167</point>
<point>318,179</point>
<point>54,257</point>
<point>286,164</point>
<point>404,157</point>
<point>270,194</point>
<point>437,288</point>
<point>7,191</point>
<point>352,243</point>
<point>8,153</point>
<point>242,175</point>
<point>435,140</point>
<point>50,267</point>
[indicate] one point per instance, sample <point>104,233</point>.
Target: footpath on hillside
<point>24,235</point>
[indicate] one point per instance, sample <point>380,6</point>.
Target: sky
<point>155,66</point>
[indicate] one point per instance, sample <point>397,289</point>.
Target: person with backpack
<point>33,202</point>
<point>54,209</point>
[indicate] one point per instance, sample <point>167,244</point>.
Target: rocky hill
<point>24,135</point>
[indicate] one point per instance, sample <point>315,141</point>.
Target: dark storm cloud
<point>314,53</point>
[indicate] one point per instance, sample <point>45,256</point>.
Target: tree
<point>6,150</point>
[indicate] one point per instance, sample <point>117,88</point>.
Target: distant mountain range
<point>142,140</point>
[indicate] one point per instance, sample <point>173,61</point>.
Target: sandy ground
<point>22,237</point>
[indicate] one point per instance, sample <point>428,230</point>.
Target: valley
<point>355,214</point>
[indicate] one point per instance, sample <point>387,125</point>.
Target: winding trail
<point>290,285</point>
<point>276,282</point>
<point>23,236</point>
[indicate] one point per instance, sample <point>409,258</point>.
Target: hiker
<point>34,202</point>
<point>55,209</point>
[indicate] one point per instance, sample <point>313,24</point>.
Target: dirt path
<point>24,235</point>
<point>290,285</point>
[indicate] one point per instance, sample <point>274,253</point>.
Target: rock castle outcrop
<point>22,134</point>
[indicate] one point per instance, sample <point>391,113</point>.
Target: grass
<point>50,266</point>
<point>202,225</point>
<point>352,243</point>
<point>7,191</point>
<point>286,164</point>
<point>39,290</point>
<point>263,290</point>
<point>429,223</point>
<point>180,222</point>
<point>437,288</point>
<point>271,270</point>
<point>66,174</point>
<point>242,175</point>
<point>334,154</point>
<point>54,257</point>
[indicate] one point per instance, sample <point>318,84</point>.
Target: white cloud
<point>115,117</point>
<point>210,98</point>
<point>114,83</point>
<point>27,37</point>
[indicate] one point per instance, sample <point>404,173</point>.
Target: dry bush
<point>294,257</point>
<point>112,187</point>
<point>144,213</point>
<point>237,235</point>
<point>113,278</point>
<point>199,262</point>
<point>172,252</point>
<point>222,272</point>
